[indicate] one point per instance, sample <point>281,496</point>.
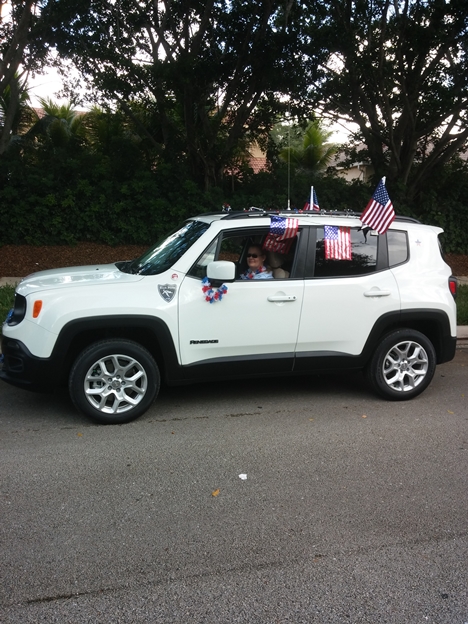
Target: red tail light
<point>453,286</point>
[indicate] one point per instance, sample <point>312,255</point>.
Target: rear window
<point>397,247</point>
<point>343,252</point>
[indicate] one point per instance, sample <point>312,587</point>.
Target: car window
<point>397,247</point>
<point>199,268</point>
<point>342,251</point>
<point>233,246</point>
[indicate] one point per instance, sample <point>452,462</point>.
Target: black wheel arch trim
<point>43,374</point>
<point>136,327</point>
<point>434,324</point>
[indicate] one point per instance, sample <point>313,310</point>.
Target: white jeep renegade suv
<point>112,331</point>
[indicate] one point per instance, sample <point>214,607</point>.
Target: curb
<point>10,281</point>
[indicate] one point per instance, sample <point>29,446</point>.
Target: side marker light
<point>37,308</point>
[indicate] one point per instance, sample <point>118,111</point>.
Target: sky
<point>43,86</point>
<point>47,85</point>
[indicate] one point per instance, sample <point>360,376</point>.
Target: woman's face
<point>255,258</point>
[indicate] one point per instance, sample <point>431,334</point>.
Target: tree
<point>213,71</point>
<point>60,124</point>
<point>315,154</point>
<point>23,49</point>
<point>22,119</point>
<point>399,70</point>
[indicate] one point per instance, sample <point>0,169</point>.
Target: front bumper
<point>20,368</point>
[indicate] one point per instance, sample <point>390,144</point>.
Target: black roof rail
<point>406,219</point>
<point>236,214</point>
<point>258,212</point>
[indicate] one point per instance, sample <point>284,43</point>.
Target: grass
<point>462,305</point>
<point>7,294</point>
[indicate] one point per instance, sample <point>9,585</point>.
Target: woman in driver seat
<point>256,267</point>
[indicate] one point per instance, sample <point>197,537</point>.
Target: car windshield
<point>167,251</point>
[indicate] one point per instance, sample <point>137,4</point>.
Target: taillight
<point>453,286</point>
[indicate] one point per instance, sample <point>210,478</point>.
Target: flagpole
<point>289,155</point>
<point>311,205</point>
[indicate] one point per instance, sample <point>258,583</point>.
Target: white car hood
<point>98,274</point>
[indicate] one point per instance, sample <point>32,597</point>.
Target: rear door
<point>344,298</point>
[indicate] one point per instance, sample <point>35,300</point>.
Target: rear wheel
<point>403,365</point>
<point>114,381</point>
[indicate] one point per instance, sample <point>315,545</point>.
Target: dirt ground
<point>20,260</point>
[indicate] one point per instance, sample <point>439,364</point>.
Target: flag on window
<point>313,203</point>
<point>282,232</point>
<point>337,242</point>
<point>284,227</point>
<point>273,244</point>
<point>379,212</point>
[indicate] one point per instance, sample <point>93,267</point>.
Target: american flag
<point>281,235</point>
<point>379,212</point>
<point>313,203</point>
<point>273,244</point>
<point>284,228</point>
<point>337,242</point>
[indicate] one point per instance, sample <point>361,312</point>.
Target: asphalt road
<point>353,509</point>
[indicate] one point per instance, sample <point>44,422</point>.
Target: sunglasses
<point>252,255</point>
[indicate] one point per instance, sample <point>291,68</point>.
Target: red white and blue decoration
<point>379,213</point>
<point>252,274</point>
<point>313,203</point>
<point>337,242</point>
<point>212,295</point>
<point>282,232</point>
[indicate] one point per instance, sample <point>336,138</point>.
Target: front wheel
<point>114,381</point>
<point>403,365</point>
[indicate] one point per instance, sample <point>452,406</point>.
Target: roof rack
<point>259,212</point>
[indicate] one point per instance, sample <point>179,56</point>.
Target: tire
<point>403,365</point>
<point>114,381</point>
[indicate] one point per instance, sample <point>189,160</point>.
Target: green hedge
<point>43,205</point>
<point>62,196</point>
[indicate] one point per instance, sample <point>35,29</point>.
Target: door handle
<point>276,298</point>
<point>377,293</point>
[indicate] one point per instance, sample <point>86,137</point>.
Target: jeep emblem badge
<point>167,291</point>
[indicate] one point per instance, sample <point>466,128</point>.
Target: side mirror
<point>221,271</point>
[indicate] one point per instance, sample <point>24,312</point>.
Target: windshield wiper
<point>126,267</point>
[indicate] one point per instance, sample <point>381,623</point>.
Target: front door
<point>252,329</point>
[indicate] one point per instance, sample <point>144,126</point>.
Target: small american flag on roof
<point>379,213</point>
<point>313,203</point>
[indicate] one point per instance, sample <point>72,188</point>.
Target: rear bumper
<point>448,350</point>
